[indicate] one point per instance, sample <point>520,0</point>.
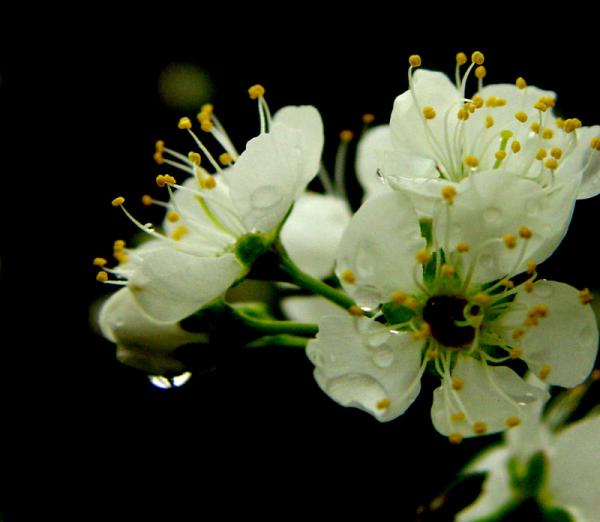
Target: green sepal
<point>556,514</point>
<point>397,313</point>
<point>528,478</point>
<point>250,247</point>
<point>426,226</point>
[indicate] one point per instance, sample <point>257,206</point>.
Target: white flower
<point>439,135</point>
<point>217,224</point>
<point>141,341</point>
<point>455,307</point>
<point>372,144</point>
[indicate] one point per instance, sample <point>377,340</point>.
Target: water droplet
<point>316,357</point>
<point>533,207</point>
<point>543,290</point>
<point>378,338</point>
<point>365,265</point>
<point>367,296</point>
<point>266,196</point>
<point>383,357</point>
<point>166,383</point>
<point>492,215</point>
<point>149,227</point>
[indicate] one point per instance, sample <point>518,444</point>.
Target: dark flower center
<point>442,312</point>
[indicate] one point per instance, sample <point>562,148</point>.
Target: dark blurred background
<point>81,108</point>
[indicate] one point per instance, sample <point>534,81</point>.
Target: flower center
<point>444,313</point>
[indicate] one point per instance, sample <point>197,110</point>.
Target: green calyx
<point>250,247</point>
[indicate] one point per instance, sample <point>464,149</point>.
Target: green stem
<point>308,282</point>
<point>273,327</point>
<point>281,340</point>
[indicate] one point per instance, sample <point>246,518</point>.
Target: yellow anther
<point>195,158</point>
<point>491,101</point>
<point>463,247</point>
<point>463,114</point>
<point>119,244</point>
<point>518,333</point>
<point>540,105</point>
<point>595,375</point>
<point>185,123</point>
<point>225,158</point>
<point>528,286</point>
<point>165,179</point>
<point>422,333</point>
<point>432,354</point>
<point>477,101</point>
<point>449,193</point>
<point>100,261</point>
<point>525,232</point>
<point>455,438</point>
<point>516,353</point>
<point>348,276</point>
<point>102,277</point>
<point>368,118</point>
<point>501,102</point>
<point>545,371</point>
<point>540,310</point>
<point>500,155</point>
<point>173,217</point>
<point>521,83</point>
<point>203,116</point>
<point>121,257</point>
<point>117,202</point>
<point>383,404</point>
<point>510,240</point>
<point>541,154</point>
<point>411,303</point>
<point>472,161</point>
<point>208,108</point>
<point>423,256</point>
<point>513,421</point>
<point>478,58</point>
<point>507,283</point>
<point>158,158</point>
<point>515,146</point>
<point>551,164</point>
<point>256,91</point>
<point>521,116</point>
<point>585,296</point>
<point>448,270</point>
<point>399,297</point>
<point>489,121</point>
<point>159,146</point>
<point>429,112</point>
<point>571,124</point>
<point>208,183</point>
<point>595,143</point>
<point>482,299</point>
<point>461,58</point>
<point>346,136</point>
<point>547,134</point>
<point>531,321</point>
<point>459,416</point>
<point>480,427</point>
<point>556,152</point>
<point>179,232</point>
<point>206,126</point>
<point>560,123</point>
<point>147,200</point>
<point>457,383</point>
<point>414,60</point>
<point>356,311</point>
<point>549,101</point>
<point>531,267</point>
<point>481,72</point>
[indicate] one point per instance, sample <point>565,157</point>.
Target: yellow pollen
<point>147,200</point>
<point>185,123</point>
<point>571,124</point>
<point>449,193</point>
<point>585,296</point>
<point>429,112</point>
<point>518,333</point>
<point>206,126</point>
<point>158,158</point>
<point>507,283</point>
<point>100,261</point>
<point>165,179</point>
<point>480,72</point>
<point>463,247</point>
<point>119,244</point>
<point>472,161</point>
<point>501,102</point>
<point>535,127</point>
<point>117,202</point>
<point>547,134</point>
<point>121,257</point>
<point>368,118</point>
<point>521,83</point>
<point>551,164</point>
<point>457,383</point>
<point>448,270</point>
<point>528,286</point>
<point>560,123</point>
<point>461,58</point>
<point>506,134</point>
<point>545,371</point>
<point>203,116</point>
<point>423,256</point>
<point>489,121</point>
<point>540,310</point>
<point>480,427</point>
<point>482,299</point>
<point>516,353</point>
<point>208,183</point>
<point>477,57</point>
<point>541,154</point>
<point>159,146</point>
<point>173,217</point>
<point>477,102</point>
<point>510,240</point>
<point>195,158</point>
<point>411,303</point>
<point>491,101</point>
<point>346,136</point>
<point>383,404</point>
<point>414,60</point>
<point>455,438</point>
<point>531,267</point>
<point>399,297</point>
<point>596,143</point>
<point>256,91</point>
<point>515,146</point>
<point>556,152</point>
<point>500,155</point>
<point>540,105</point>
<point>525,232</point>
<point>179,232</point>
<point>459,416</point>
<point>548,101</point>
<point>225,158</point>
<point>513,421</point>
<point>432,354</point>
<point>348,276</point>
<point>521,116</point>
<point>531,321</point>
<point>595,375</point>
<point>102,277</point>
<point>356,311</point>
<point>463,114</point>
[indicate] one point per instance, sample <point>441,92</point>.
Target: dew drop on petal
<point>367,296</point>
<point>377,339</point>
<point>543,291</point>
<point>365,265</point>
<point>166,383</point>
<point>492,215</point>
<point>383,358</point>
<point>266,196</point>
<point>316,357</point>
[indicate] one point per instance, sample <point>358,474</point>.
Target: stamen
<point>368,118</point>
<point>595,143</point>
<point>356,311</point>
<point>414,60</point>
<point>521,116</point>
<point>480,427</point>
<point>348,276</point>
<point>383,404</point>
<point>556,152</point>
<point>429,112</point>
<point>521,83</point>
<point>423,256</point>
<point>525,232</point>
<point>185,123</point>
<point>545,371</point>
<point>455,438</point>
<point>585,296</point>
<point>515,146</point>
<point>510,240</point>
<point>547,134</point>
<point>449,193</point>
<point>457,383</point>
<point>339,167</point>
<point>472,162</point>
<point>117,202</point>
<point>100,262</point>
<point>102,277</point>
<point>195,158</point>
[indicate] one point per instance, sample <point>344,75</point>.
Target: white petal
<point>494,203</point>
<point>373,142</point>
<point>307,119</point>
<point>586,161</point>
<point>360,363</point>
<point>313,230</point>
<point>566,341</point>
<point>575,469</point>
<point>490,395</point>
<point>379,247</point>
<point>170,285</point>
<point>309,309</point>
<point>267,177</point>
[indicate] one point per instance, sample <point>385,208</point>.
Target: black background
<point>80,114</point>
